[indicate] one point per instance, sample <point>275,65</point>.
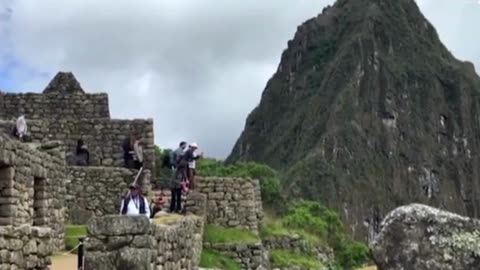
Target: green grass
<point>217,234</point>
<point>72,233</point>
<point>212,259</point>
<point>284,258</point>
<point>275,228</point>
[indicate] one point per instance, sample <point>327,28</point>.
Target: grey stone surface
<point>421,237</point>
<point>22,247</point>
<point>104,137</point>
<point>33,188</point>
<point>116,225</point>
<point>138,244</point>
<point>232,202</point>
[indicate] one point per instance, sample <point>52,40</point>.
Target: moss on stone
<point>466,241</point>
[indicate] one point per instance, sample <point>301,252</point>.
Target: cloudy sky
<point>198,67</point>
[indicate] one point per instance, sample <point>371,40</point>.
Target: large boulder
<point>419,237</point>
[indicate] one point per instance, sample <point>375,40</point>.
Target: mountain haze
<point>368,110</point>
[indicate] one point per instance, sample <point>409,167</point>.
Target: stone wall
<point>134,243</point>
<point>32,187</point>
<point>249,256</point>
<point>54,105</point>
<point>97,191</point>
<point>25,247</point>
<point>232,202</point>
<point>103,137</point>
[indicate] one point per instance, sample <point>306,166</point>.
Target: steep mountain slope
<point>368,111</point>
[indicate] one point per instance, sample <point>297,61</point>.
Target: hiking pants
<point>176,200</point>
<point>191,178</point>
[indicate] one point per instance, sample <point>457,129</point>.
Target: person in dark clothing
<point>177,154</point>
<point>127,152</point>
<point>82,154</point>
<point>180,176</point>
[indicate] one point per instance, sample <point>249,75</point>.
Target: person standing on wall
<point>177,154</point>
<point>191,157</point>
<point>138,152</point>
<point>135,203</point>
<point>127,151</point>
<point>180,176</point>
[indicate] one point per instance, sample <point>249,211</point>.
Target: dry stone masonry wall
<point>103,137</point>
<point>97,191</point>
<point>25,247</point>
<point>54,105</point>
<point>32,188</point>
<point>63,97</point>
<point>126,242</point>
<point>232,202</point>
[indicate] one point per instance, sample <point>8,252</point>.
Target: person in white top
<point>135,204</point>
<point>191,156</point>
<point>21,127</point>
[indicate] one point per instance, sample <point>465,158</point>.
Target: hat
<point>194,145</point>
<point>132,186</point>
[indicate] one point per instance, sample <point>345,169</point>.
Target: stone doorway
<point>39,201</point>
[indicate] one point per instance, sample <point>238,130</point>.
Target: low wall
<point>54,105</point>
<point>25,247</point>
<point>97,191</point>
<point>134,243</point>
<point>249,256</point>
<point>103,137</point>
<point>32,187</point>
<point>232,202</point>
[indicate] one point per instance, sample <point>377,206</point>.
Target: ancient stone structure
<point>32,203</point>
<point>134,243</point>
<point>97,191</point>
<point>421,237</point>
<point>65,112</point>
<point>232,202</point>
<point>25,247</point>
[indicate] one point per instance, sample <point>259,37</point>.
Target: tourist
<point>128,151</point>
<point>20,130</point>
<point>191,156</point>
<point>177,154</point>
<point>179,178</point>
<point>158,204</point>
<point>138,152</point>
<point>135,203</point>
<point>82,154</point>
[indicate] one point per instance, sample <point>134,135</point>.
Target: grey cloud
<point>197,67</point>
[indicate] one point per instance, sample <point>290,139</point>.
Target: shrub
<point>218,234</point>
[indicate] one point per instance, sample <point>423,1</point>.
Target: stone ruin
<point>41,188</point>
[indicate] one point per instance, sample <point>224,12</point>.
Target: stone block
<point>116,225</point>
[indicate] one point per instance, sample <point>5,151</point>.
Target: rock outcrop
<point>420,237</point>
<point>368,111</point>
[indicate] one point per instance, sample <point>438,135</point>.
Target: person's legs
<point>192,181</point>
<point>178,199</point>
<point>172,200</point>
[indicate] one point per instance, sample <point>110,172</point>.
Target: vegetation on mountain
<point>367,111</point>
